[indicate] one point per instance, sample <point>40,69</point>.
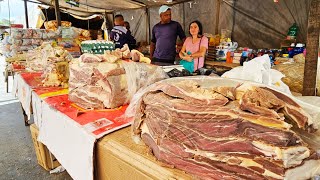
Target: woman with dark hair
<point>195,47</point>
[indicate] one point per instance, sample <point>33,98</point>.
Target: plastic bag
<point>26,42</point>
<point>175,73</point>
<point>27,33</point>
<point>115,82</point>
<point>188,65</point>
<point>69,32</point>
<point>259,70</point>
<point>140,75</point>
<point>37,42</point>
<point>204,71</point>
<point>57,170</point>
<point>25,48</point>
<point>17,42</point>
<point>37,33</point>
<point>16,34</point>
<point>51,34</point>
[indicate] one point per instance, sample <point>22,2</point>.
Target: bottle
<point>229,59</point>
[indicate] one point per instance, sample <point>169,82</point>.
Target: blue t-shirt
<point>120,35</point>
<point>165,36</point>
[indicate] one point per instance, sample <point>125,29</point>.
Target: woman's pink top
<point>193,48</point>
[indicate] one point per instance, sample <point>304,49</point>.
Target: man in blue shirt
<point>119,34</point>
<point>164,36</point>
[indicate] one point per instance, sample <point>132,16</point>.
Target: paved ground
<point>17,155</point>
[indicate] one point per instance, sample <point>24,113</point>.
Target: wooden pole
<point>311,63</point>
<point>217,16</point>
<point>233,17</point>
<point>26,13</point>
<point>57,10</point>
<point>184,17</point>
<point>147,25</point>
<point>149,28</point>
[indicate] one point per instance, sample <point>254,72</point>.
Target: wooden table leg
<point>25,117</point>
<point>6,78</point>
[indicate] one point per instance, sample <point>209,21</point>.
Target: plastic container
<point>229,59</point>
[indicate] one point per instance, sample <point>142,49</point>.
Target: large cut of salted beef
<point>217,128</point>
<point>97,83</point>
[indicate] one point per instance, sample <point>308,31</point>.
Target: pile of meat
<point>56,73</point>
<point>104,81</point>
<point>38,58</point>
<point>217,128</point>
<point>52,61</point>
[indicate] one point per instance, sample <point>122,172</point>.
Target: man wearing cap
<point>164,36</point>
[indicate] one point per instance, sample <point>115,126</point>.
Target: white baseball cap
<point>163,8</point>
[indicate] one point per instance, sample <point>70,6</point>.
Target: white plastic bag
<point>57,170</point>
<point>259,70</point>
<point>140,75</point>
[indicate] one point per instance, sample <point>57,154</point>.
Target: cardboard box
<point>236,60</point>
<point>44,157</point>
<point>237,54</point>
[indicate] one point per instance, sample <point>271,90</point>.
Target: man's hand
<point>152,48</point>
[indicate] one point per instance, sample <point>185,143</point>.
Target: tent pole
<point>58,17</point>
<point>148,24</point>
<point>233,18</point>
<point>217,16</point>
<point>311,63</point>
<point>184,17</point>
<point>26,13</point>
<point>113,19</point>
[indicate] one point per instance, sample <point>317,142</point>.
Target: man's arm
<point>152,48</point>
<point>131,39</point>
<point>111,35</point>
<point>181,33</point>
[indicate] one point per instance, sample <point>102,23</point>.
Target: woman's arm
<point>183,55</point>
<point>182,51</point>
<point>203,48</point>
<point>200,53</point>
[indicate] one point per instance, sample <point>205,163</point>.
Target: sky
<point>17,13</point>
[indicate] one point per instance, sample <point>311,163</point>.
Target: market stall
<point>183,123</point>
<point>55,112</point>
